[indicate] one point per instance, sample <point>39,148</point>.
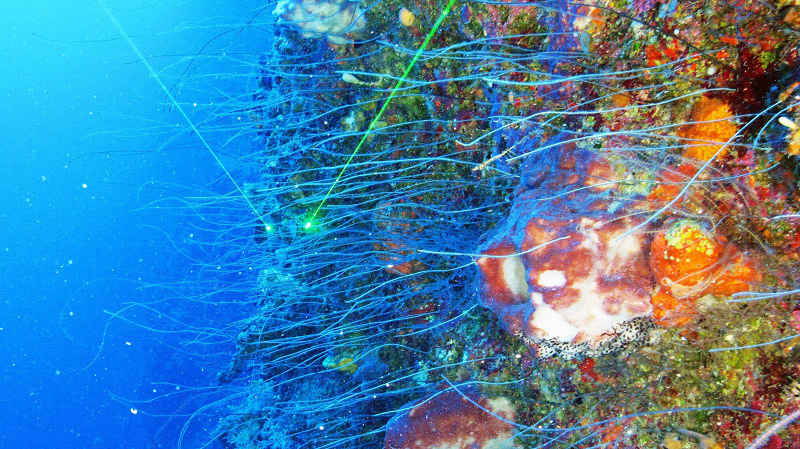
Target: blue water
<point>86,143</point>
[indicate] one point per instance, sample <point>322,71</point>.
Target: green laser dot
<point>386,104</point>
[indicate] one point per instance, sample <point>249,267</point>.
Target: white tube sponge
<point>317,18</point>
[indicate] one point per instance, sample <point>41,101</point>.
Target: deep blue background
<point>85,144</point>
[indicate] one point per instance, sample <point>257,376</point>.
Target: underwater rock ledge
<point>589,211</point>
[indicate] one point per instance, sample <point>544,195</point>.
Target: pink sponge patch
<point>452,420</point>
<point>564,271</point>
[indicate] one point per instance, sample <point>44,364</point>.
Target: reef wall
<point>586,213</point>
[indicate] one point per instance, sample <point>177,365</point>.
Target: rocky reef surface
<point>575,225</point>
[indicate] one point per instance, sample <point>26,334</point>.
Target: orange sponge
<point>671,312</point>
<point>689,262</point>
<point>683,257</point>
<point>711,126</point>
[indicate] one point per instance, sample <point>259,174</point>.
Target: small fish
<point>350,78</point>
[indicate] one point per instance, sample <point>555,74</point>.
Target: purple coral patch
<point>451,420</point>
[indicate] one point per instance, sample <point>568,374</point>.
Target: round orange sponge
<point>683,257</point>
<point>689,261</point>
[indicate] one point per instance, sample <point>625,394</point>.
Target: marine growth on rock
<point>588,210</point>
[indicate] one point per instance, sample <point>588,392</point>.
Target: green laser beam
<point>372,124</point>
<point>178,106</point>
<point>385,105</point>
